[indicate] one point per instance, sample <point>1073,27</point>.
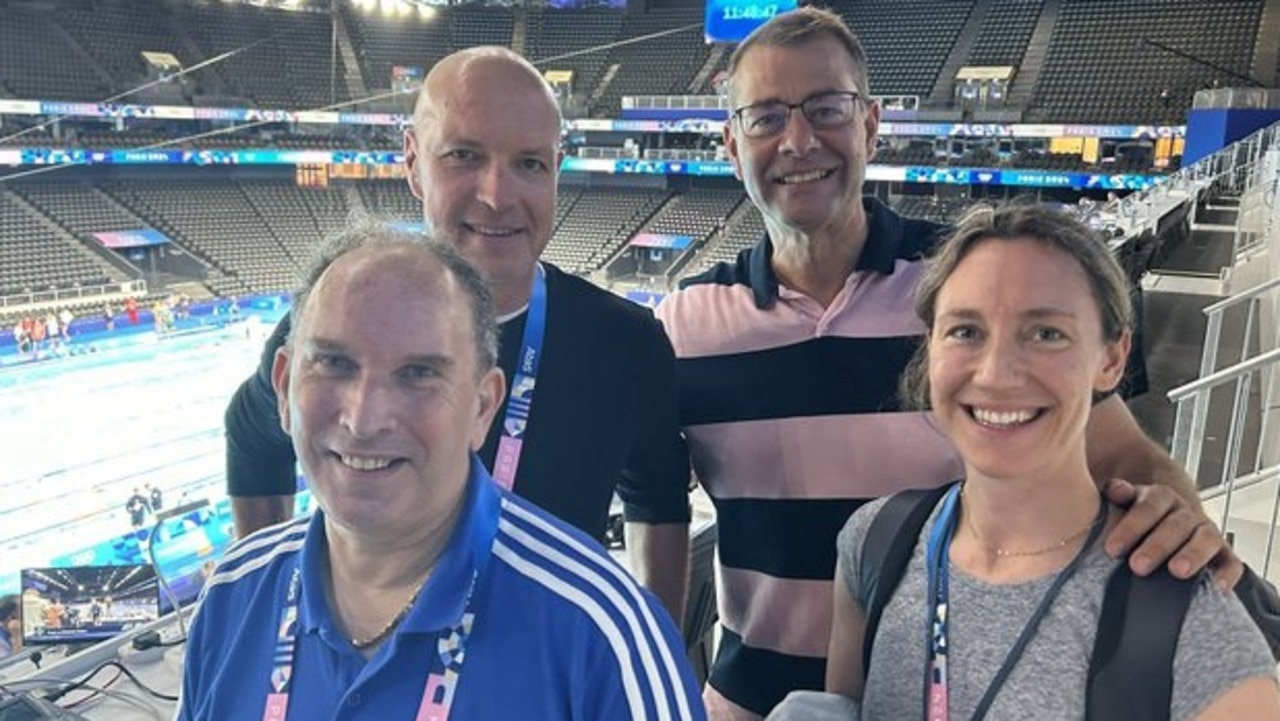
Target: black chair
<point>700,614</point>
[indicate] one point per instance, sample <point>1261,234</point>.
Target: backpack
<point>1131,668</point>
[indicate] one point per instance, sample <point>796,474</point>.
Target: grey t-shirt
<point>1218,648</point>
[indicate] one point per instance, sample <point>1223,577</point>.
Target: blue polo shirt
<point>561,631</point>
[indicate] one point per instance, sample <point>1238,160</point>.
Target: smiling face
<point>380,389</point>
<point>1015,354</point>
<point>802,178</point>
<point>483,157</point>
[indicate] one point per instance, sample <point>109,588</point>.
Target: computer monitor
<point>86,604</point>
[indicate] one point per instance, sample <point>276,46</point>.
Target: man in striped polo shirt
<point>421,589</point>
<point>789,360</point>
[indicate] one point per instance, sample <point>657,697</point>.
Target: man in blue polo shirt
<point>420,590</point>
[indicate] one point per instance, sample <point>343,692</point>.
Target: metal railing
<point>1250,170</point>
<point>75,294</point>
<point>1193,398</point>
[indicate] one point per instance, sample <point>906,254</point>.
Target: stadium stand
<point>598,223</point>
<point>283,59</point>
<point>392,198</point>
<point>221,226</point>
<point>78,208</point>
<point>36,254</point>
<point>1099,70</point>
<point>943,210</point>
<point>382,43</point>
<point>744,228</point>
<point>476,25</point>
<point>555,33</point>
<point>116,34</point>
<point>907,41</point>
<point>297,217</point>
<point>912,154</point>
<point>662,65</point>
<point>63,50</point>
<point>1005,32</point>
<point>37,62</point>
<point>697,213</point>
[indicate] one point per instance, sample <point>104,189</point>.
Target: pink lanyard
<point>437,695</point>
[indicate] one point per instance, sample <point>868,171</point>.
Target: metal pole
<point>1233,444</point>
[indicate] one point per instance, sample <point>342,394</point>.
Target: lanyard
<point>525,377</point>
<point>437,695</point>
<point>936,561</point>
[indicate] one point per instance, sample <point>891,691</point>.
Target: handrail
<point>1226,374</point>
<point>1270,473</point>
<point>1242,295</point>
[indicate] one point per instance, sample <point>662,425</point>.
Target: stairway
<point>351,74</point>
<point>714,57</point>
<point>1024,84</point>
<point>945,83</point>
<point>1184,280</point>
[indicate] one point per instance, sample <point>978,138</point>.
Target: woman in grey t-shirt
<point>1028,317</point>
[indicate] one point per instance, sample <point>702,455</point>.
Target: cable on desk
<point>137,682</point>
<point>93,693</point>
<point>53,696</point>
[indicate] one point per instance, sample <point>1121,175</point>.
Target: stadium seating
<point>36,63</point>
<point>479,25</point>
<point>599,223</point>
<point>36,255</point>
<point>219,223</point>
<point>116,34</point>
<point>391,198</point>
<point>1005,32</point>
<point>555,33</point>
<point>662,65</point>
<point>78,208</point>
<point>907,41</point>
<point>742,232</point>
<point>382,43</point>
<point>942,210</point>
<point>1099,70</point>
<point>697,214</point>
<point>278,59</point>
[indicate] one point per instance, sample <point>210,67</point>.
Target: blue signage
<point>731,21</point>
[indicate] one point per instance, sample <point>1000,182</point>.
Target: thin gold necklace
<point>363,643</point>
<point>1020,553</point>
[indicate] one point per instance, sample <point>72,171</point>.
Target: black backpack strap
<point>1131,672</point>
<point>1263,604</point>
<point>886,551</point>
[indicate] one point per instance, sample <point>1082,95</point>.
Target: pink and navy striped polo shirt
<point>793,421</point>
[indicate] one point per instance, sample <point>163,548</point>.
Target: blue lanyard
<point>523,382</point>
<point>937,553</point>
<point>437,694</point>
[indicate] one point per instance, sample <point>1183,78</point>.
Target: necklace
<point>363,643</point>
<point>1020,552</point>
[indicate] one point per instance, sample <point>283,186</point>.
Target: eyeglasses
<point>824,111</point>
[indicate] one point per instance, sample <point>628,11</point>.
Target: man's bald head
<point>476,70</point>
<point>483,156</point>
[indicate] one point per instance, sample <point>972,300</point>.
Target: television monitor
<point>86,604</point>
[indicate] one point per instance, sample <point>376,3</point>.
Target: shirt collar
<point>443,599</point>
<point>884,238</point>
